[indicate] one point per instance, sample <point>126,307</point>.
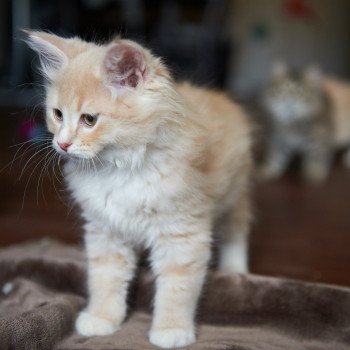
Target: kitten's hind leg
<point>110,267</point>
<point>234,237</point>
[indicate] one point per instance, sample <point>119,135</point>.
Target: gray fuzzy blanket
<point>42,288</point>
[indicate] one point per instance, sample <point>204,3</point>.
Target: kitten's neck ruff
<point>126,158</point>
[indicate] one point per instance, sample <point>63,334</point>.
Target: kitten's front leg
<point>276,162</point>
<point>180,262</point>
<point>110,267</point>
<point>316,164</point>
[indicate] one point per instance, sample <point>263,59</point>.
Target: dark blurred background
<point>220,43</point>
<point>299,231</point>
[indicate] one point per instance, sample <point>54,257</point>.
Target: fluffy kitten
<point>298,113</point>
<point>152,165</point>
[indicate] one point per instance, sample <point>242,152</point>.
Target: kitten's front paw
<point>315,175</point>
<point>268,172</point>
<point>172,337</point>
<point>89,325</point>
<point>234,258</point>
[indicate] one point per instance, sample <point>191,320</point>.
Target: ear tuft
<point>51,57</point>
<point>124,65</point>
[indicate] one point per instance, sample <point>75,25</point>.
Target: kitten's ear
<point>313,75</point>
<point>279,70</point>
<point>124,66</point>
<point>50,49</point>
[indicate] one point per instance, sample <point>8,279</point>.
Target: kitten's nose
<point>64,145</point>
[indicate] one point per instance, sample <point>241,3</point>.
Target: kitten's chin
<point>80,156</point>
<point>77,156</point>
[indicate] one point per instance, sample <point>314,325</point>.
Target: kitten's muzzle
<point>64,145</point>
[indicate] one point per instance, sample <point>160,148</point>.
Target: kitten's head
<point>289,96</point>
<point>101,96</point>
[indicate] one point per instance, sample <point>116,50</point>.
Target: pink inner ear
<point>125,66</point>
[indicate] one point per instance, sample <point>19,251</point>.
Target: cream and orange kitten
<point>152,165</point>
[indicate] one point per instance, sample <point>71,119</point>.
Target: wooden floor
<point>299,231</point>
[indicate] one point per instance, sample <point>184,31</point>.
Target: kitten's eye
<point>89,119</point>
<point>58,114</point>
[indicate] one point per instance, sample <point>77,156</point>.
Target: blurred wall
<point>264,31</point>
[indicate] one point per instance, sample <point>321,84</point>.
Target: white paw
<point>268,173</point>
<point>315,175</point>
<point>234,266</point>
<point>234,257</point>
<point>172,337</point>
<point>89,325</point>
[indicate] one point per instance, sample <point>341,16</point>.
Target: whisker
<point>35,154</point>
<point>91,166</point>
<point>10,164</point>
<point>59,165</point>
<point>56,156</point>
<point>52,162</point>
<point>93,162</point>
<point>37,140</point>
<point>98,158</point>
<point>41,177</point>
<point>27,184</point>
<point>30,148</point>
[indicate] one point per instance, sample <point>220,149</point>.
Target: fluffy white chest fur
<point>136,205</point>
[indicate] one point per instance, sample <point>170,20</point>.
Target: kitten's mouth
<point>75,156</point>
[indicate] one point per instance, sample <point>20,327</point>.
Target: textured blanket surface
<point>43,288</point>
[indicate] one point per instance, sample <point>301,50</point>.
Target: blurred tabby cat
<point>307,115</point>
<point>153,165</point>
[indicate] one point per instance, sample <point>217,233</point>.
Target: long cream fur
<point>164,166</point>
